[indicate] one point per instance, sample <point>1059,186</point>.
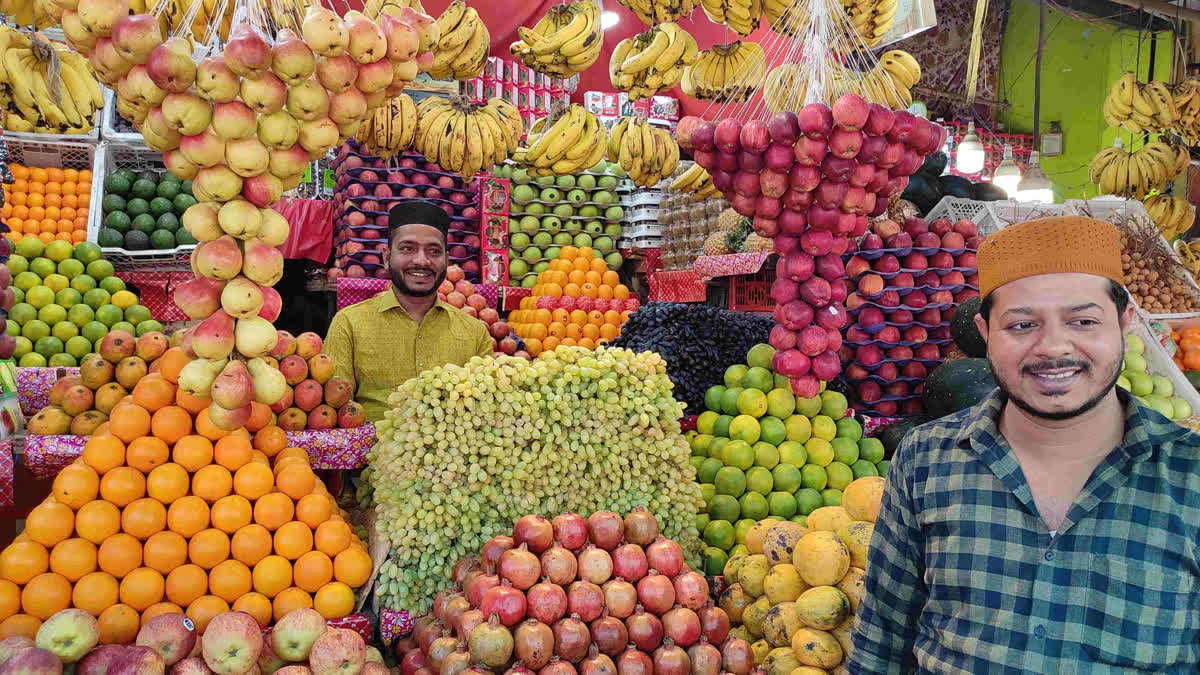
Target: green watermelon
<point>956,385</point>
<point>892,434</point>
<point>962,328</point>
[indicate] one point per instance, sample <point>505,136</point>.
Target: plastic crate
<point>1159,362</point>
<point>643,229</point>
<point>109,133</point>
<point>991,217</point>
<point>60,152</point>
<point>752,292</point>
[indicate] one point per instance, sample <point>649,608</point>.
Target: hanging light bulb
<point>970,152</point>
<point>1034,185</point>
<point>1008,174</point>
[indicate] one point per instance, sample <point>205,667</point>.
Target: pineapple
<point>728,220</point>
<point>757,244</point>
<point>715,244</point>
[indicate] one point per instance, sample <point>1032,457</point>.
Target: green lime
<point>765,455</point>
<point>793,452</point>
<point>83,283</point>
<point>185,187</point>
<point>168,221</point>
<point>94,331</point>
<point>136,240</point>
<point>56,282</point>
<point>745,428</point>
<point>70,268</point>
<point>862,468</point>
<point>32,360</point>
<point>61,360</point>
<point>809,407</point>
<point>705,421</point>
<point>26,280</point>
<point>68,297</point>
<point>760,355</point>
<point>820,452</point>
<point>23,313</point>
<point>738,454</point>
<point>772,430</point>
<point>882,467</point>
<point>39,296</point>
<point>109,315</point>
<point>24,346</point>
<point>707,490</point>
<point>824,428</point>
<point>729,400</point>
<point>17,264</point>
<point>813,476</point>
<point>759,378</point>
<point>138,207</point>
<point>724,507</point>
<point>48,346</point>
<point>12,328</point>
<point>162,239</point>
<point>699,444</point>
<point>148,326</point>
<point>741,527</point>
<point>183,202</point>
<point>144,189</point>
<point>168,190</point>
<point>734,374</point>
<point>160,205</point>
<point>52,314</point>
<point>714,560</point>
<point>149,175</point>
<point>708,470</point>
<point>112,284</point>
<point>831,497</point>
<point>719,533</point>
<point>184,238</point>
<point>730,481</point>
<point>848,427</point>
<point>30,247</point>
<point>702,521</point>
<point>752,402</point>
<point>18,295</point>
<point>86,252</point>
<point>696,462</point>
<point>717,447</point>
<point>64,330</point>
<point>870,449</point>
<point>116,184</point>
<point>96,298</point>
<point>786,477</point>
<point>781,504</point>
<point>781,403</point>
<point>117,220</point>
<point>128,174</point>
<point>112,203</point>
<point>845,450</point>
<point>43,267</point>
<point>754,505</point>
<point>833,404</point>
<point>840,475</point>
<point>712,397</point>
<point>99,269</point>
<point>721,426</point>
<point>123,326</point>
<point>781,382</point>
<point>78,347</point>
<point>798,428</point>
<point>759,480</point>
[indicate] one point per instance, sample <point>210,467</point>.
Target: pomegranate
<point>414,660</point>
<point>440,648</point>
<point>595,565</point>
<point>705,658</point>
<point>505,602</point>
<point>691,590</point>
<point>558,667</point>
<point>546,602</point>
<point>517,669</point>
<point>534,530</point>
<point>439,602</point>
<point>633,661</point>
<point>620,597</point>
<point>605,528</point>
<point>482,584</point>
<point>585,599</point>
<point>533,644</point>
<point>559,565</point>
<point>597,664</point>
<point>629,562</point>
<point>494,547</point>
<point>519,567</point>
<point>491,644</point>
<point>666,556</point>
<point>427,633</point>
<point>455,609</point>
<point>714,622</point>
<point>467,622</point>
<point>609,634</point>
<point>656,593</point>
<point>464,565</point>
<point>570,530</point>
<point>645,630</point>
<point>571,638</point>
<point>405,645</point>
<point>737,656</point>
<point>681,625</point>
<point>457,661</point>
<point>424,671</point>
<point>671,660</point>
<point>640,527</point>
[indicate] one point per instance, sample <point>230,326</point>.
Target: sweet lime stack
<point>761,452</point>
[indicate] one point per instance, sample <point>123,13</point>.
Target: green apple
<point>535,208</point>
<point>519,240</point>
<point>552,223</point>
<point>565,182</point>
<point>577,196</point>
<point>614,213</point>
<point>1163,386</point>
<point>543,239</point>
<point>604,197</point>
<point>593,227</point>
<point>1135,362</point>
<point>1182,408</point>
<point>589,211</point>
<point>520,176</point>
<point>586,182</point>
<point>563,239</point>
<point>524,193</point>
<point>613,230</point>
<point>551,195</point>
<point>606,182</point>
<point>1134,344</point>
<point>544,181</point>
<point>529,224</point>
<point>564,210</point>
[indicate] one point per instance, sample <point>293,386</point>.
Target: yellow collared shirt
<point>377,345</point>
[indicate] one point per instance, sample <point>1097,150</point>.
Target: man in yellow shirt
<point>380,342</point>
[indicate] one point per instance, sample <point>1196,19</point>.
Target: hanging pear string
<point>976,47</point>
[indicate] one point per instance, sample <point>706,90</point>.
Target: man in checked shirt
<point>1055,527</point>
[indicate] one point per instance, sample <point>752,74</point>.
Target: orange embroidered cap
<point>1057,245</point>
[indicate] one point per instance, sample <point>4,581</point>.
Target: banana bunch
<point>786,17</point>
<point>1173,215</point>
<point>871,18</point>
<point>742,16</point>
<point>728,72</point>
<point>1138,173</point>
<point>1141,107</point>
<point>565,41</point>
<point>1187,104</point>
<point>37,13</point>
<point>575,141</point>
<point>696,181</point>
<point>463,137</point>
<point>888,83</point>
<point>648,63</point>
<point>462,50</point>
<point>373,8</point>
<point>210,15</point>
<point>389,130</point>
<point>647,153</point>
<point>25,88</point>
<point>654,12</point>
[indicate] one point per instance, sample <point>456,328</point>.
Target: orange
<point>271,575</point>
<point>256,605</point>
<point>229,580</point>
<point>193,404</point>
<point>313,510</point>
<point>312,571</point>
<point>257,457</point>
<point>296,453</point>
<point>282,463</point>
<point>621,292</point>
<point>208,548</point>
<point>167,483</point>
<point>212,482</point>
<point>76,485</point>
<point>95,593</point>
<point>104,453</point>
<point>23,625</point>
<point>593,277</point>
<point>550,343</point>
<point>203,609</point>
<point>45,595</point>
<point>232,452</point>
<point>533,346</point>
<point>334,600</point>
<point>187,516</point>
<point>10,599</point>
<point>164,551</point>
<point>612,317</point>
<point>141,588</point>
<point>119,555</point>
<point>171,363</point>
<point>143,518</point>
<point>49,523</point>
<point>146,453</point>
<point>186,583</point>
<point>289,600</point>
<point>251,544</point>
<point>253,480</point>
<point>587,343</point>
<point>128,421</point>
<point>160,608</point>
<point>604,291</point>
<point>270,440</point>
<point>154,393</point>
<point>569,342</point>
<point>260,416</point>
<point>170,423</point>
<point>293,539</point>
<point>332,537</point>
<point>586,252</point>
<point>581,264</point>
<point>591,331</point>
<point>296,481</point>
<point>73,559</point>
<point>192,452</point>
<point>1191,359</point>
<point>610,278</point>
<point>23,560</point>
<point>123,485</point>
<point>273,510</point>
<point>352,567</point>
<point>231,513</point>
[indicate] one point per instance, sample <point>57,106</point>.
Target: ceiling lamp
<point>1034,185</point>
<point>608,19</point>
<point>1008,174</point>
<point>970,152</point>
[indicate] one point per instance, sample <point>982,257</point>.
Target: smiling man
<point>1054,527</point>
<point>382,341</point>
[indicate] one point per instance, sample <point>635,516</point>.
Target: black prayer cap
<point>418,212</point>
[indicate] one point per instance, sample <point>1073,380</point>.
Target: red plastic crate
<point>752,292</point>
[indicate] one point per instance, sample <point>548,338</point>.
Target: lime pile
<point>67,300</point>
<point>761,452</point>
<point>142,211</point>
<point>1156,391</point>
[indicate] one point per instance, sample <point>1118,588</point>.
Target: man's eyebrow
<point>1086,305</point>
<point>1027,311</point>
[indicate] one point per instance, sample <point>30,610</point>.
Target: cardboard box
<point>597,102</point>
<point>544,100</point>
<point>492,89</point>
<point>525,98</point>
<point>522,76</point>
<point>511,94</point>
<point>530,117</point>
<point>494,70</point>
<point>664,108</point>
<point>474,89</point>
<point>629,107</point>
<point>593,101</point>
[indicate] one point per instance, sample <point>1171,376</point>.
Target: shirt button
<point>1049,555</point>
<point>1040,631</point>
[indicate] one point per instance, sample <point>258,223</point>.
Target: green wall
<point>1080,61</point>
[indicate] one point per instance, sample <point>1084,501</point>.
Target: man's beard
<point>1067,414</point>
<point>405,289</point>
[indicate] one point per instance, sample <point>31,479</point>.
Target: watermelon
<point>892,434</point>
<point>962,328</point>
<point>956,385</point>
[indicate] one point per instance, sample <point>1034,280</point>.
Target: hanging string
<point>976,48</point>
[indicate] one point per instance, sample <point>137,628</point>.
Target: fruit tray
<point>578,219</point>
<point>875,329</point>
<point>932,305</point>
<point>356,174</point>
<point>384,214</point>
<point>875,254</point>
<point>640,214</point>
<point>109,132</point>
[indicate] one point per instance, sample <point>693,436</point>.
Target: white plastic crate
<point>643,197</point>
<point>643,229</point>
<point>641,214</point>
<point>59,152</point>
<point>991,217</point>
<point>644,242</point>
<point>109,133</point>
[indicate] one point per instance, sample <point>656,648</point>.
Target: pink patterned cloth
<point>873,425</point>
<point>729,265</point>
<point>6,473</point>
<point>34,384</point>
<point>677,286</point>
<point>513,295</point>
<point>155,291</point>
<point>394,624</point>
<point>45,456</point>
<point>359,623</point>
<point>352,290</point>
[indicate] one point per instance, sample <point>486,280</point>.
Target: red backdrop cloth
<point>311,232</point>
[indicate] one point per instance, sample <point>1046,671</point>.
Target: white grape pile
<point>467,450</point>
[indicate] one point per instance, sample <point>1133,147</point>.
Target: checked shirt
<point>964,577</point>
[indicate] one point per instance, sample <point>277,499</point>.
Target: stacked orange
<point>47,203</point>
<point>577,301</point>
<point>164,512</point>
<point>1187,348</point>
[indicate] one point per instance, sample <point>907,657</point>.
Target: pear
<point>255,336</point>
<point>197,376</point>
<point>367,43</point>
<point>291,60</point>
<point>269,383</point>
<point>324,32</point>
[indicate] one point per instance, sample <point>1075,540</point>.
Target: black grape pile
<point>698,343</point>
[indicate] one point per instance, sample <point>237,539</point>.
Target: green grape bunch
<point>467,450</point>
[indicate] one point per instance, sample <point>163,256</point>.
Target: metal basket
<point>109,132</point>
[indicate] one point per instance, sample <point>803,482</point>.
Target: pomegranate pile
<point>568,595</point>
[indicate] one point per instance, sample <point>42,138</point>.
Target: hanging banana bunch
<point>872,18</point>
<point>26,87</point>
<point>467,137</point>
<point>373,8</point>
<point>1173,215</point>
<point>649,154</point>
<point>1187,104</point>
<point>728,72</point>
<point>1142,108</point>
<point>695,180</point>
<point>651,62</point>
<point>742,16</point>
<point>390,129</point>
<point>786,17</point>
<point>462,51</point>
<point>567,40</point>
<point>574,141</point>
<point>653,12</point>
<point>1136,174</point>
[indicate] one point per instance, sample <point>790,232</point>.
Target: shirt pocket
<point>1140,616</point>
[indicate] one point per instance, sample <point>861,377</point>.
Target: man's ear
<point>1127,316</point>
<point>982,325</point>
